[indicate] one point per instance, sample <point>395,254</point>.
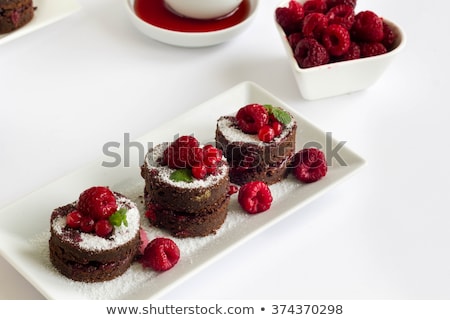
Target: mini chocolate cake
<point>250,158</point>
<point>15,14</point>
<point>87,257</point>
<point>185,209</point>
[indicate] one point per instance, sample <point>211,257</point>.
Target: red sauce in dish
<point>156,13</point>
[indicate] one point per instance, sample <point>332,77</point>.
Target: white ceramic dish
<point>340,78</point>
<point>203,9</point>
<point>47,12</point>
<point>25,223</point>
<point>189,39</point>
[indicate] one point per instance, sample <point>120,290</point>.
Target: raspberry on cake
<point>15,14</point>
<point>186,187</point>
<point>262,153</point>
<point>95,238</point>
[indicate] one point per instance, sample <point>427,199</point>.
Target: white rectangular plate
<point>48,12</point>
<point>25,224</point>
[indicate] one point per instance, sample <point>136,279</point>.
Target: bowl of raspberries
<point>334,48</point>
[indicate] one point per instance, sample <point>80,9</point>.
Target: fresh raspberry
<point>103,228</point>
<point>310,53</point>
<point>311,6</point>
<point>294,38</point>
<point>180,152</point>
<point>336,40</point>
<point>352,53</point>
<point>252,117</point>
<point>389,36</point>
<point>97,202</point>
<point>342,14</point>
<point>334,3</point>
<point>310,165</point>
<point>370,49</point>
<point>368,27</point>
<point>161,254</point>
<point>255,197</point>
<point>73,219</point>
<point>289,18</point>
<point>314,24</point>
<point>266,133</point>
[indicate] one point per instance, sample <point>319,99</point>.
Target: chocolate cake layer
<point>251,151</point>
<point>90,271</point>
<point>181,224</point>
<point>15,14</point>
<point>189,199</point>
<point>251,159</point>
<point>89,258</point>
<point>193,197</point>
<point>270,174</point>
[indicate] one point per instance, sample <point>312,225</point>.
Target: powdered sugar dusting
<point>139,278</point>
<point>120,236</point>
<point>232,133</point>
<point>164,172</point>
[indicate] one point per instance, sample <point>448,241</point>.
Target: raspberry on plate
<point>161,254</point>
<point>310,165</point>
<point>255,197</point>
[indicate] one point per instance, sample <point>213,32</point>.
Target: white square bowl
<point>344,77</point>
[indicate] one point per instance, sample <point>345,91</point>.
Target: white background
<point>71,87</point>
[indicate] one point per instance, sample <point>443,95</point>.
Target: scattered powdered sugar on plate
<point>137,277</point>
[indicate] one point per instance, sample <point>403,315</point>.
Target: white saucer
<point>188,38</point>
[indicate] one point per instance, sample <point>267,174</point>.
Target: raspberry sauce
<point>155,13</point>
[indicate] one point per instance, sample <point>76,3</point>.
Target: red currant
<point>103,228</point>
<point>199,171</point>
<point>266,133</point>
<point>87,224</point>
<point>73,219</point>
<point>277,128</point>
<point>211,155</point>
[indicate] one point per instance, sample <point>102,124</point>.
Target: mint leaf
<point>279,114</point>
<point>181,175</point>
<point>119,217</point>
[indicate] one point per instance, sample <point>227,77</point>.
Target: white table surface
<point>71,87</point>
